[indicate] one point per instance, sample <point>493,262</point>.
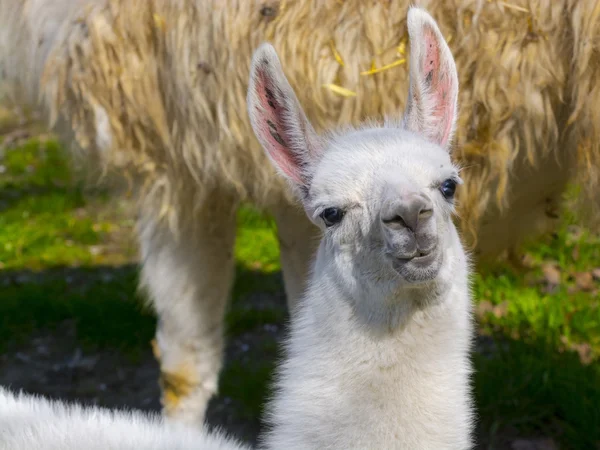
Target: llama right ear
<point>431,109</point>
<point>278,120</point>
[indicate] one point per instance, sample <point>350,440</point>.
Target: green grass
<point>537,381</point>
<point>567,315</point>
<point>44,222</point>
<point>531,387</point>
<point>46,226</point>
<point>66,255</point>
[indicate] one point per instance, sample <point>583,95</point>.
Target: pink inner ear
<point>273,127</point>
<point>439,85</point>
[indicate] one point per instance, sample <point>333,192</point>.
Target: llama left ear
<point>279,122</point>
<point>431,109</point>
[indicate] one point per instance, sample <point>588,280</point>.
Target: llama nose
<point>407,211</point>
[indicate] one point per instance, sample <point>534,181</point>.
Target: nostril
<point>410,219</point>
<point>425,213</point>
<point>398,220</point>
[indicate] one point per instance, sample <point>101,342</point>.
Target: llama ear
<point>431,109</point>
<point>278,120</point>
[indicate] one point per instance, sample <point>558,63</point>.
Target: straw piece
<point>402,48</point>
<point>336,54</point>
<point>159,21</point>
<point>374,70</point>
<point>511,6</point>
<point>340,90</point>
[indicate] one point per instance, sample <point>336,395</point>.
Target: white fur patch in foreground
<point>31,422</point>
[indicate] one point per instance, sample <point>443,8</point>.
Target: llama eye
<point>331,216</point>
<point>448,188</point>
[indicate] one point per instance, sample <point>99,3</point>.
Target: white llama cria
<point>378,355</point>
<point>33,423</point>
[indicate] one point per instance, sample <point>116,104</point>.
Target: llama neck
<point>348,384</point>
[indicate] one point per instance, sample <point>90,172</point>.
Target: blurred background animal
<point>154,90</point>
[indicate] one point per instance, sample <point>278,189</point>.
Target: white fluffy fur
<point>347,385</point>
<point>375,359</point>
<point>29,422</point>
<point>378,354</point>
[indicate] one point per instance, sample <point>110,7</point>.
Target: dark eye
<point>331,216</point>
<point>448,188</point>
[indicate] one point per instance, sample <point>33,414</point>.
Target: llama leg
<point>188,278</point>
<point>298,241</point>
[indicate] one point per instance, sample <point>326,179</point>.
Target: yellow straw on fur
<point>340,90</point>
<point>374,70</point>
<point>159,21</point>
<point>511,6</point>
<point>336,54</point>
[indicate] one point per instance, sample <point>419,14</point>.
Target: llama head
<point>382,195</point>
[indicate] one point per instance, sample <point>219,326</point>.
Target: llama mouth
<point>421,257</point>
<point>423,266</point>
<point>420,260</point>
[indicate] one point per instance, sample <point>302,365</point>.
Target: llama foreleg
<point>189,281</point>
